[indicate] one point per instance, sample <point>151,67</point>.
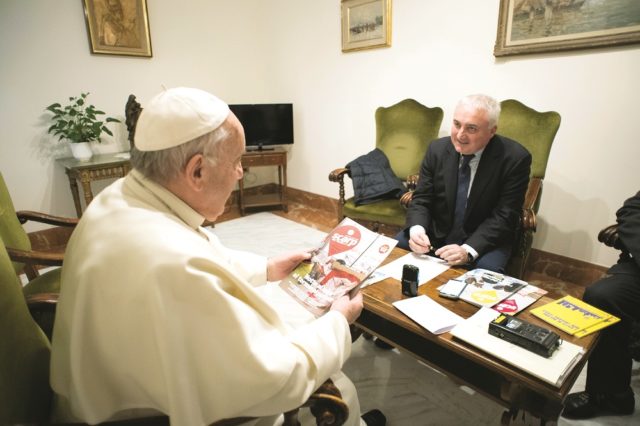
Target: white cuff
<point>470,250</point>
<point>415,229</point>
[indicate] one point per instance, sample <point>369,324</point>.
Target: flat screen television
<point>265,125</point>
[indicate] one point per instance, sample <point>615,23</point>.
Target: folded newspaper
<point>346,257</point>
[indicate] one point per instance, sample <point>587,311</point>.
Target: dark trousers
<point>609,367</point>
<point>494,260</point>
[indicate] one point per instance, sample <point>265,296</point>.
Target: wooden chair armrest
<point>27,215</point>
<point>35,257</point>
<point>338,176</point>
<point>412,182</point>
<point>327,406</point>
<point>406,198</point>
<point>529,220</point>
<point>39,300</point>
<point>609,237</point>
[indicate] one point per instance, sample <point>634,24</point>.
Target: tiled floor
<point>410,393</point>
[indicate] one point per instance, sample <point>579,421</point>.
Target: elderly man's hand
<point>453,254</point>
<point>279,266</point>
<point>348,306</point>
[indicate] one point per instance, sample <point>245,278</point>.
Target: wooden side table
<point>99,167</point>
<point>276,158</point>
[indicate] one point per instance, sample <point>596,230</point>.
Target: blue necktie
<point>457,234</point>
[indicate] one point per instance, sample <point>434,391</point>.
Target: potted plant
<point>79,124</point>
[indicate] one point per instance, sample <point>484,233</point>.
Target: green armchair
<point>535,131</point>
<point>403,132</point>
<point>29,251</point>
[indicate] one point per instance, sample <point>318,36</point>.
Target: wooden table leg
<point>283,188</point>
<point>75,193</point>
<point>85,180</point>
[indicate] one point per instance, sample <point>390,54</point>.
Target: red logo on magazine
<point>343,239</point>
<point>507,306</point>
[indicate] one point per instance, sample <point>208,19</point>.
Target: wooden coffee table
<point>503,383</point>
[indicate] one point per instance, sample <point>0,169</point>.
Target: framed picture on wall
<point>118,27</point>
<point>366,24</point>
<point>534,26</point>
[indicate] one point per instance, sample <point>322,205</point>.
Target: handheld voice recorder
<point>537,339</point>
<point>410,280</point>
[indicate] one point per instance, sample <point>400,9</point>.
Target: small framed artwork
<point>118,27</point>
<point>366,24</point>
<point>535,26</point>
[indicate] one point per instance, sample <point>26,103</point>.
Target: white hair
<point>485,103</point>
<point>164,165</point>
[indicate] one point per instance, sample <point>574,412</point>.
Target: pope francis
<point>156,316</point>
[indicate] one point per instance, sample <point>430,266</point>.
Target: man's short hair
<point>484,103</point>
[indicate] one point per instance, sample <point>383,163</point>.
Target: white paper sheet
<point>552,370</point>
<point>428,313</point>
<point>430,267</point>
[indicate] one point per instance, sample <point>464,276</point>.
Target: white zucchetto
<point>176,116</point>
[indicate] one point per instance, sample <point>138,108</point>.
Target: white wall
<point>290,50</point>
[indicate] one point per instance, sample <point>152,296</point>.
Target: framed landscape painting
<point>534,26</point>
<point>366,24</point>
<point>118,27</point>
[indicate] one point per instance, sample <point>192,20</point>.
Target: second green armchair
<point>403,133</point>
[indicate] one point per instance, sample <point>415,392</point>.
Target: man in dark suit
<point>470,193</point>
<point>608,389</point>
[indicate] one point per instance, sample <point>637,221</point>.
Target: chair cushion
<point>388,211</point>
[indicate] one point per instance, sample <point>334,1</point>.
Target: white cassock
<point>155,315</point>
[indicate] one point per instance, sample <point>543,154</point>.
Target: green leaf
<point>77,121</point>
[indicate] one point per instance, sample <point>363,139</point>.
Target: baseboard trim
<point>565,268</point>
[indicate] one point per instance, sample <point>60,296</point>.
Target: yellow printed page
<point>570,314</point>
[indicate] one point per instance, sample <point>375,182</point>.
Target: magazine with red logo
<point>520,300</point>
<point>348,254</point>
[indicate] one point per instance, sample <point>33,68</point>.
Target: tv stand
<point>263,158</point>
<point>259,148</point>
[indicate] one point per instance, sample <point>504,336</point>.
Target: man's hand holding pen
<point>418,240</point>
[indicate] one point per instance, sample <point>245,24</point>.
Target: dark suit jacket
<point>495,200</point>
<point>628,217</point>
